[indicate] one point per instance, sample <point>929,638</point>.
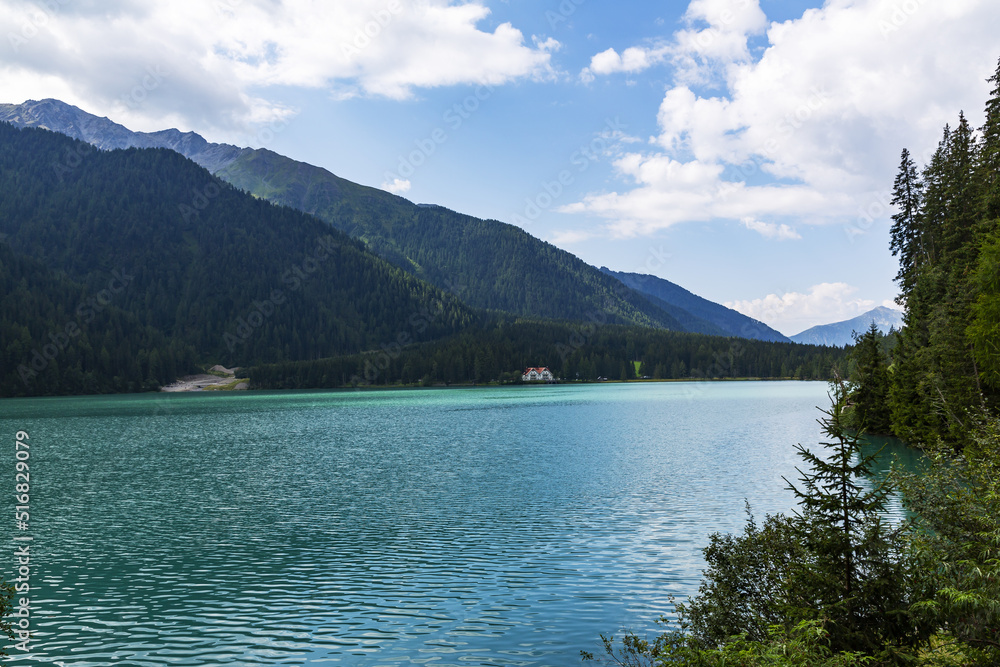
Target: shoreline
<point>221,384</point>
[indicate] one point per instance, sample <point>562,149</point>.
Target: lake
<point>474,526</point>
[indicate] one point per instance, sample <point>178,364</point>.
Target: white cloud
<point>220,57</point>
<point>569,236</point>
<point>632,59</point>
<point>397,186</point>
<point>794,312</point>
<point>770,230</point>
<point>716,36</point>
<point>716,31</point>
<point>810,128</point>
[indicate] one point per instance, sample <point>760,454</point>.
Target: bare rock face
<point>108,135</point>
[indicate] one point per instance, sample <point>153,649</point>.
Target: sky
<point>743,149</point>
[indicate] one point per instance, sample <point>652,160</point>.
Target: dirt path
<point>206,381</point>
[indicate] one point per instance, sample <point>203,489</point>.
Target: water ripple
<point>490,527</point>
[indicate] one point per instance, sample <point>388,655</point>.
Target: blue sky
<point>741,148</point>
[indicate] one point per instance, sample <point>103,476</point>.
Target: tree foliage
<point>946,234</point>
<point>870,381</point>
<point>501,350</point>
<point>203,273</point>
<point>984,329</point>
<point>488,264</point>
<point>855,574</point>
<point>957,540</point>
<point>744,590</point>
<point>906,240</point>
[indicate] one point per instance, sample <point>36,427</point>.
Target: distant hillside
<point>487,263</point>
<point>121,268</point>
<point>839,333</point>
<point>696,313</point>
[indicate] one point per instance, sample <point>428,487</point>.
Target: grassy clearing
<point>226,387</point>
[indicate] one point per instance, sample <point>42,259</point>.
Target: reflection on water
<point>892,452</point>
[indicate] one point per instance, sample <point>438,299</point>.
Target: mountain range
<point>839,334</point>
<point>488,264</point>
<point>124,264</point>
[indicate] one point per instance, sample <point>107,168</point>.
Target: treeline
<point>943,368</point>
<point>573,351</point>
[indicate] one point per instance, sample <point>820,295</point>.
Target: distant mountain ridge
<point>696,313</point>
<point>839,334</point>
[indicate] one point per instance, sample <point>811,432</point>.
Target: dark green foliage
<point>989,152</point>
<point>805,645</point>
<point>835,562</point>
<point>58,337</point>
<point>572,351</point>
<point>957,541</point>
<point>833,580</point>
<point>869,383</point>
<point>744,585</point>
<point>7,596</point>
<point>984,330</point>
<point>855,575</point>
<point>906,239</point>
<point>948,290</point>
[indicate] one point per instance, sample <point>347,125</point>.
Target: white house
<point>537,374</point>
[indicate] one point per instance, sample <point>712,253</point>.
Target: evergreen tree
<point>907,194</point>
<point>984,330</point>
<point>869,383</point>
<point>834,568</point>
<point>935,200</point>
<point>855,576</point>
<point>989,154</point>
<point>935,379</point>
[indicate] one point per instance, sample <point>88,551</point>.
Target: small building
<point>542,374</point>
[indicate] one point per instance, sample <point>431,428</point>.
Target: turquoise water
<point>493,526</point>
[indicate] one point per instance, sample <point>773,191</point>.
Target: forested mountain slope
<point>487,263</point>
<point>697,313</point>
<point>220,275</point>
